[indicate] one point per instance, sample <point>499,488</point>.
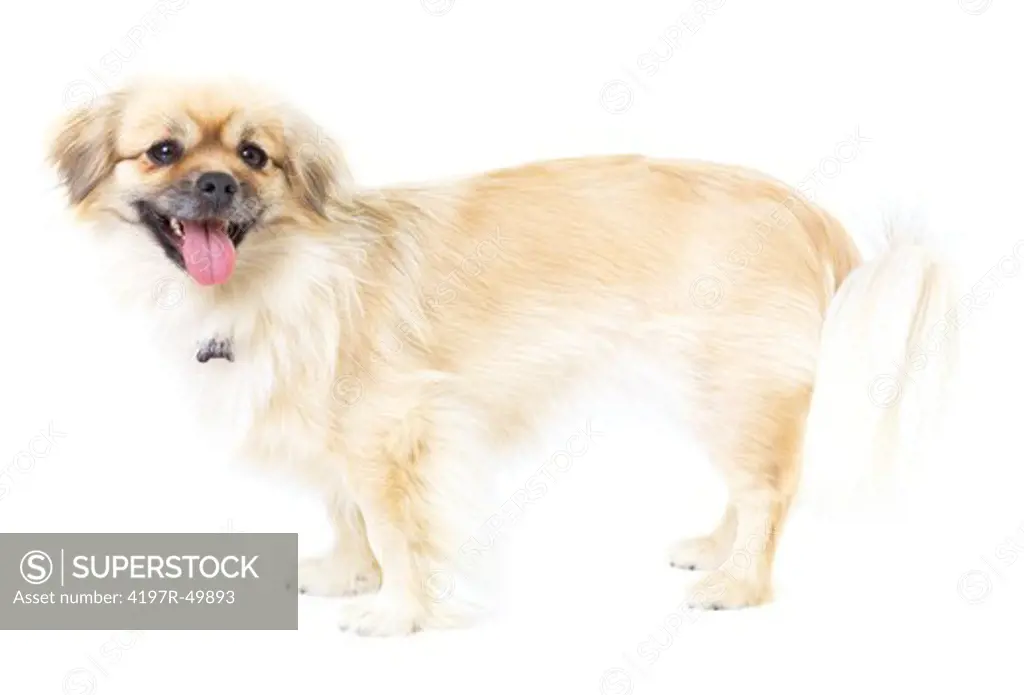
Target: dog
<point>377,342</point>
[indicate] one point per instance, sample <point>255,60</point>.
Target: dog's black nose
<point>217,187</point>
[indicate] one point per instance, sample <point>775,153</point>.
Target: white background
<point>922,593</point>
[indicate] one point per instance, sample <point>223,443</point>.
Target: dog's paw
<point>698,554</point>
<point>337,576</point>
<point>721,590</point>
<point>378,615</point>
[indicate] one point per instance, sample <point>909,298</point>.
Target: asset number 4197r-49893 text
<point>172,596</point>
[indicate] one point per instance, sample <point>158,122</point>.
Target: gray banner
<point>149,581</point>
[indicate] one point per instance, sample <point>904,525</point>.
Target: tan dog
<point>381,340</point>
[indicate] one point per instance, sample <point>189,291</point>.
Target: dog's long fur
<point>383,339</point>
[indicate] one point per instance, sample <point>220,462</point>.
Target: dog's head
<point>203,171</point>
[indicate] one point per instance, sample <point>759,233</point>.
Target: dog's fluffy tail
<point>889,345</point>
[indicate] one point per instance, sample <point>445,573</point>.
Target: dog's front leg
<point>350,567</point>
<point>397,492</point>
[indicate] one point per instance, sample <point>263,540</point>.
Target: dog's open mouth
<point>205,248</point>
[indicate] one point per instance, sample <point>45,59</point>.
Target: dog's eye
<point>165,152</point>
<point>252,155</point>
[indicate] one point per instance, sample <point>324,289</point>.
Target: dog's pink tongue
<point>208,252</point>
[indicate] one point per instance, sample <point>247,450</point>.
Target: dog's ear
<point>315,167</point>
<point>82,148</point>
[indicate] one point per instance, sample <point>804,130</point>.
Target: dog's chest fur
<point>272,400</point>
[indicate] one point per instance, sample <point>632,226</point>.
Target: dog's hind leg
<point>760,457</point>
